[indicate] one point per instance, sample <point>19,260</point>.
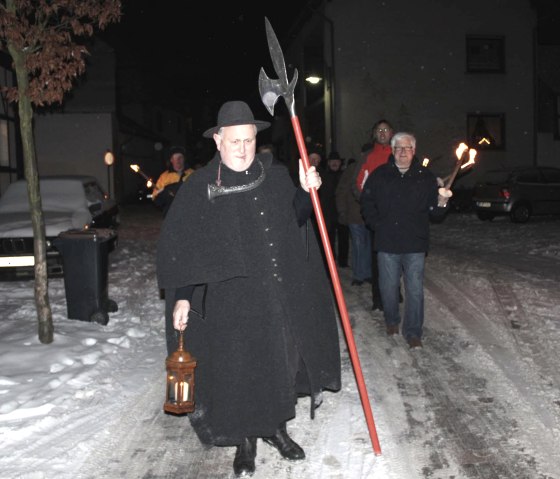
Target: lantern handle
<point>181,342</point>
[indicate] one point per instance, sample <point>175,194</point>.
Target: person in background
<point>171,179</point>
<point>268,334</point>
<point>377,154</point>
<point>348,208</point>
<point>315,158</point>
<point>397,201</point>
<point>267,148</point>
<point>337,232</point>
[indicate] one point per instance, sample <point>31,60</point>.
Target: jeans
<point>411,265</point>
<point>361,251</point>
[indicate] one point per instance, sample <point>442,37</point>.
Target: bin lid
<point>92,234</point>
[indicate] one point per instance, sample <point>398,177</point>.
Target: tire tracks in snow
<point>482,326</point>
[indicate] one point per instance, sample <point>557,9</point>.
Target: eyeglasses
<point>404,148</point>
<point>382,130</point>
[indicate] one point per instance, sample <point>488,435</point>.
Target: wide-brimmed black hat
<point>235,113</point>
<point>334,155</point>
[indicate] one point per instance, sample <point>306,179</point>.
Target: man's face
<point>334,165</point>
<point>383,134</point>
<point>177,161</point>
<point>314,159</point>
<point>403,152</point>
<point>237,145</point>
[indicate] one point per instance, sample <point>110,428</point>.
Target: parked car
<point>68,203</point>
<point>519,192</point>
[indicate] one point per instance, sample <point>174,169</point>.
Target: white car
<point>69,203</point>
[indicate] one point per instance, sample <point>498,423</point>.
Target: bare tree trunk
<point>44,313</point>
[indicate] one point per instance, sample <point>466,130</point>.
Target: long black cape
<point>270,331</point>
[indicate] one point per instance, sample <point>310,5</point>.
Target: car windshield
<point>94,194</point>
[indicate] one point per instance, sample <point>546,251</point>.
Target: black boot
<point>244,462</point>
<point>288,448</point>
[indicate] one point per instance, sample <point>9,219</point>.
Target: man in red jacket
<point>373,157</point>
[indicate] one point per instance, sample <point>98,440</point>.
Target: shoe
<point>357,282</point>
<point>376,305</point>
<point>392,329</point>
<point>244,462</point>
<point>287,447</point>
<point>414,343</point>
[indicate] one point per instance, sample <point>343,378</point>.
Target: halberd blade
<point>276,53</point>
<point>271,89</point>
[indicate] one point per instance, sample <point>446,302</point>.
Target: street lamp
<point>313,79</point>
<point>109,159</point>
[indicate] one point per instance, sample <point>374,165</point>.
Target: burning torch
<point>459,165</point>
<point>149,181</point>
<point>446,183</point>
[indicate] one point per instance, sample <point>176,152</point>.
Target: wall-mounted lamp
<point>313,79</point>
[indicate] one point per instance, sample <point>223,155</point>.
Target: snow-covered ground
<point>480,400</point>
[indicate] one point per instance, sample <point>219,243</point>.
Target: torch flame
<point>460,150</point>
<point>425,162</point>
<point>472,155</point>
<point>149,181</point>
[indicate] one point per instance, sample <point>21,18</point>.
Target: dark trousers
<point>375,293</point>
<point>339,238</point>
<point>343,237</point>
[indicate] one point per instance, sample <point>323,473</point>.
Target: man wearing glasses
<point>373,156</point>
<point>397,201</point>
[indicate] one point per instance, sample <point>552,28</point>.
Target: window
<point>485,54</point>
<point>486,131</point>
<point>529,176</point>
<point>551,175</point>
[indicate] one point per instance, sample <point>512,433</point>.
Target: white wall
<point>406,61</point>
<point>74,144</point>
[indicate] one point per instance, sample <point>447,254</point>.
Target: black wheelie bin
<point>85,261</point>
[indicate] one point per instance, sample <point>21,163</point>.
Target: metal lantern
<point>179,393</point>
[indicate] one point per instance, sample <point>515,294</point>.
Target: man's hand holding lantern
<point>181,314</point>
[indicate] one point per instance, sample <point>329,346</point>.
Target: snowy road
<point>480,400</point>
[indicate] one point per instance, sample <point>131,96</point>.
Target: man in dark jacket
<point>337,232</point>
<point>348,208</point>
<point>269,331</point>
<point>396,202</point>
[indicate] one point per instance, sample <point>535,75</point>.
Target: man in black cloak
<point>235,246</point>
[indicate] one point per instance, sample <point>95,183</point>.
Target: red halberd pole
<point>338,293</point>
<point>270,90</point>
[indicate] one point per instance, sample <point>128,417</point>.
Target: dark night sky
<point>201,50</point>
